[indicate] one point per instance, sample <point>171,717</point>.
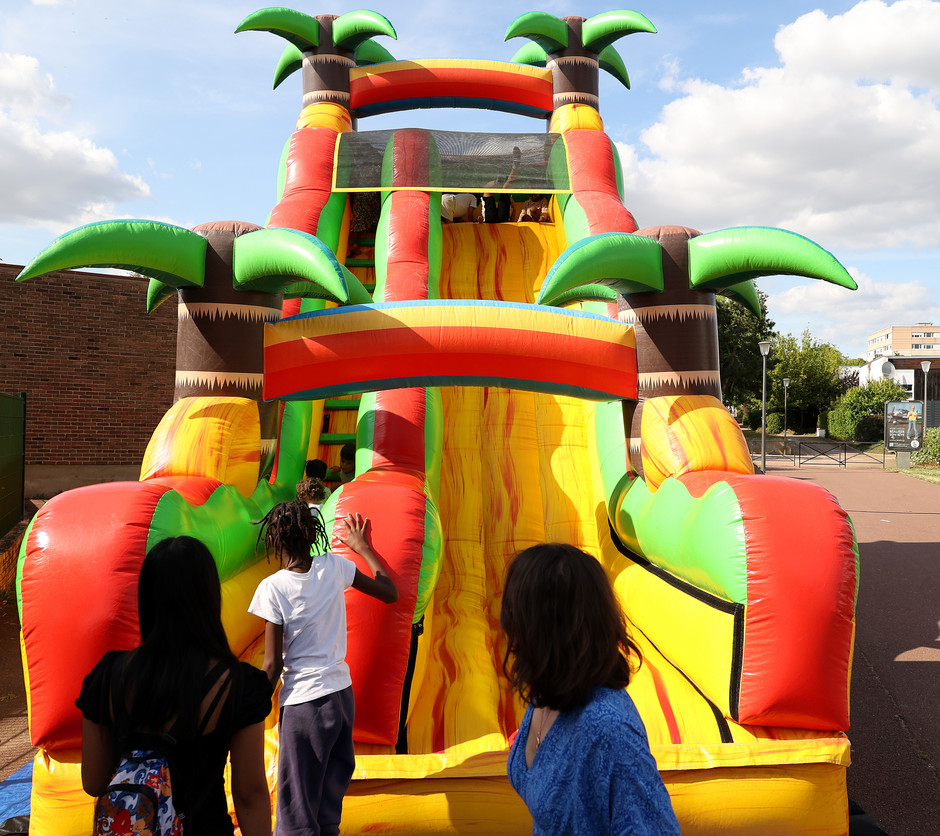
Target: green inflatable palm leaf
<point>372,52</point>
<point>745,294</point>
<point>531,54</point>
<point>600,31</point>
<point>291,60</point>
<point>170,255</point>
<point>548,31</point>
<point>722,259</point>
<point>621,261</point>
<point>276,260</point>
<point>302,30</point>
<point>353,28</point>
<point>610,61</point>
<point>584,293</point>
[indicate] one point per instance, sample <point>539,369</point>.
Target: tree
<point>864,405</point>
<point>848,380</point>
<point>813,370</point>
<point>739,358</point>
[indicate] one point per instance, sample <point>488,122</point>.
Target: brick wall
<point>98,371</point>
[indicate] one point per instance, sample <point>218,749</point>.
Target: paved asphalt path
<point>895,698</point>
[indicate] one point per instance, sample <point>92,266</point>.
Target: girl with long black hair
<point>183,677</point>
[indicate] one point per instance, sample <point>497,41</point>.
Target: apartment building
<point>900,353</point>
<point>920,340</point>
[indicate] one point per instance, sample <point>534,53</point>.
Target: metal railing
<point>828,451</point>
<point>861,450</point>
<point>821,451</point>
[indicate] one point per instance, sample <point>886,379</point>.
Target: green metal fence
<point>12,459</point>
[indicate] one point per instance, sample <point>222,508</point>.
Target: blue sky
<point>818,117</point>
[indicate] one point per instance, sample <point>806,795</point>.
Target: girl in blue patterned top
<point>581,761</point>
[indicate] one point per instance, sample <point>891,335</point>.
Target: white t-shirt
<point>311,607</point>
<point>456,205</point>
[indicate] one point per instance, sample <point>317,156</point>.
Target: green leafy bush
<point>823,420</point>
<point>842,423</point>
<point>929,453</point>
<point>861,402</point>
<point>774,423</point>
<point>870,428</point>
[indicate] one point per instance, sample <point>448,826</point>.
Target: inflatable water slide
<point>505,384</point>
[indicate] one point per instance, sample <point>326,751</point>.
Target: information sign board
<point>904,425</point>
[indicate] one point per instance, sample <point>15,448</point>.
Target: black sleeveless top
<point>199,762</point>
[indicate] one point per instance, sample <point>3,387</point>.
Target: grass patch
<point>925,474</point>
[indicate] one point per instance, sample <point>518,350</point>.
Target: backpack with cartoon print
<point>139,799</point>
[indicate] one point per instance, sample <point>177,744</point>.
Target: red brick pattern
<point>97,370</point>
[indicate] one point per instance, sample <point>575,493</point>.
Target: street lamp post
<point>925,365</point>
<point>786,385</point>
<point>764,346</point>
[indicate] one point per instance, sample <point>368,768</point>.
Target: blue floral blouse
<point>593,773</point>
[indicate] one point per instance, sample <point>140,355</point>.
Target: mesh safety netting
<point>450,161</point>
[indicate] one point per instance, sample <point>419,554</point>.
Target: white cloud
<point>52,178</point>
<point>846,318</point>
<point>671,71</point>
<point>873,41</point>
<point>839,142</point>
<point>24,90</point>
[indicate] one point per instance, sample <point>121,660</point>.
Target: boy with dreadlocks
<point>305,637</point>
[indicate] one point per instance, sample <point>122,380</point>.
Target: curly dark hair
<point>311,490</point>
<point>565,631</point>
<point>290,531</point>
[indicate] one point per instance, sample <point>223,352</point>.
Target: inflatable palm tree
<point>676,328</point>
<point>325,46</point>
<point>575,48</point>
<point>231,277</point>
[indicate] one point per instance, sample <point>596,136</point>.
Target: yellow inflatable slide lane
<point>520,468</point>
